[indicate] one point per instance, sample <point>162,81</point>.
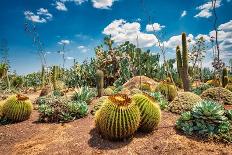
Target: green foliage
<point>207,119</point>
<point>58,109</point>
<point>157,96</point>
<point>201,88</point>
<point>184,101</point>
<point>84,94</point>
<point>150,112</point>
<point>17,81</point>
<point>168,90</point>
<point>218,94</point>
<point>17,108</point>
<point>100,82</point>
<point>118,118</point>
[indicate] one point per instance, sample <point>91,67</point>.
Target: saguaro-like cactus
<point>100,82</point>
<point>182,63</point>
<point>224,77</point>
<point>54,77</point>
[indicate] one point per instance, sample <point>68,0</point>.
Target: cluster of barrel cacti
<point>167,90</point>
<point>120,116</point>
<point>182,63</point>
<point>17,108</point>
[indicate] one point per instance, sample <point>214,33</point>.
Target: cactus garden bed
<point>80,137</point>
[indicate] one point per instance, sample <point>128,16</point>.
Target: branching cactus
<point>182,63</point>
<point>17,108</point>
<point>100,82</point>
<point>118,118</point>
<point>224,77</point>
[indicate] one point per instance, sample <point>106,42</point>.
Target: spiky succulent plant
<point>168,90</point>
<point>108,91</point>
<point>17,108</point>
<point>150,112</point>
<point>1,105</point>
<point>218,94</point>
<point>84,94</point>
<point>98,104</point>
<point>118,118</point>
<point>183,102</point>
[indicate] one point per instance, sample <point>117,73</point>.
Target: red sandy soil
<point>80,137</point>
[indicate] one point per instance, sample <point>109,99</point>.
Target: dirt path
<point>80,137</point>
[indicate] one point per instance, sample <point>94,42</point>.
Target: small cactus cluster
<point>150,112</point>
<point>108,91</point>
<point>183,102</point>
<point>167,90</point>
<point>17,108</point>
<point>182,63</point>
<point>118,118</point>
<point>145,87</point>
<point>225,79</point>
<point>100,82</point>
<point>218,94</point>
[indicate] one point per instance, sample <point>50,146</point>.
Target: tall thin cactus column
<point>224,77</point>
<point>54,77</point>
<point>43,76</point>
<point>100,82</point>
<point>182,63</point>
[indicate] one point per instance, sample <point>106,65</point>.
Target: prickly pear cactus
<point>118,118</point>
<point>150,112</point>
<point>17,108</point>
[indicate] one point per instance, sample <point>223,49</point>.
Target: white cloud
<point>78,2</point>
<point>226,26</point>
<point>228,1</point>
<point>122,31</point>
<point>102,4</point>
<point>66,42</point>
<point>42,16</point>
<point>154,27</point>
<point>184,13</point>
<point>206,9</point>
<point>81,47</point>
<point>70,58</point>
<point>61,6</point>
<point>177,40</point>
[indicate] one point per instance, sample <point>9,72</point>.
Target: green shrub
<point>207,119</point>
<point>58,109</point>
<point>184,101</point>
<point>218,94</point>
<point>157,96</point>
<point>84,94</point>
<point>168,90</point>
<point>201,88</point>
<point>17,108</point>
<point>118,118</point>
<point>150,112</point>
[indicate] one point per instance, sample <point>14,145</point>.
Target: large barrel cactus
<point>118,118</point>
<point>150,112</point>
<point>17,108</point>
<point>1,105</point>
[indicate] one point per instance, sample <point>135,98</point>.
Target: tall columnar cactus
<point>118,118</point>
<point>224,77</point>
<point>182,63</point>
<point>54,77</point>
<point>43,76</point>
<point>150,112</point>
<point>100,82</point>
<point>17,108</point>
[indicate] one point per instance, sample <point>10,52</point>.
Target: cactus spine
<point>182,62</point>
<point>54,77</point>
<point>100,82</point>
<point>225,79</point>
<point>118,118</point>
<point>17,108</point>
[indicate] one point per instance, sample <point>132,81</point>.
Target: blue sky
<point>82,24</point>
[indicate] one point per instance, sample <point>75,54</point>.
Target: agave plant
<point>84,94</point>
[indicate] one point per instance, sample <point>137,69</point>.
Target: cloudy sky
<point>82,24</point>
